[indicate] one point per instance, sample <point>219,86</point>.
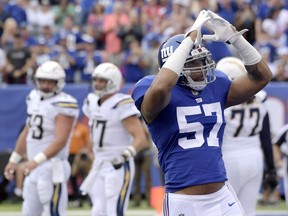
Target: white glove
<point>223,30</point>
<point>201,19</point>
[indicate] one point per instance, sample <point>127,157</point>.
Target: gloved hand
<point>128,153</point>
<point>202,18</point>
<point>223,30</point>
<point>270,179</point>
<point>118,162</point>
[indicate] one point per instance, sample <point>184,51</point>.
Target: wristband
<point>130,152</point>
<point>248,53</point>
<point>40,158</point>
<point>15,157</point>
<point>176,61</point>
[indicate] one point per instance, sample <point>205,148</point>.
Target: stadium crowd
<point>80,34</point>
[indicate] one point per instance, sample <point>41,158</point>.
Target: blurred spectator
<point>245,19</point>
<point>266,56</point>
<point>19,60</point>
<point>66,8</point>
<point>29,40</point>
<point>80,158</point>
<point>65,57</point>
<point>72,34</point>
<point>275,25</point>
<point>46,15</point>
<point>108,5</point>
<point>179,17</point>
<point>48,35</point>
<point>32,12</point>
<point>3,16</point>
<point>96,19</point>
<point>130,31</point>
<point>16,10</point>
<point>227,9</point>
<point>135,63</point>
<point>111,25</point>
<point>9,29</point>
<point>153,43</point>
<point>86,6</point>
<point>88,59</point>
<point>281,72</point>
<point>42,53</point>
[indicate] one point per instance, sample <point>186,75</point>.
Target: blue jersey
<point>188,133</point>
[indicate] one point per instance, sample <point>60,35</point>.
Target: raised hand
<point>202,18</point>
<point>223,30</point>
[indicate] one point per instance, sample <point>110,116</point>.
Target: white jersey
<point>242,152</point>
<point>41,121</point>
<point>110,137</point>
<point>282,138</point>
<point>243,125</point>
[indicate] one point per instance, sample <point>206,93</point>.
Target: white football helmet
<point>232,67</point>
<point>112,74</point>
<point>50,70</point>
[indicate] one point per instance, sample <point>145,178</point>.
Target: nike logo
<point>231,204</point>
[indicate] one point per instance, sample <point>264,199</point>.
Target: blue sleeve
<point>140,89</point>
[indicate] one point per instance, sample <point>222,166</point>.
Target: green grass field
<point>8,206</point>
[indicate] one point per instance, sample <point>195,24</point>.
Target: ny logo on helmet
<point>166,52</point>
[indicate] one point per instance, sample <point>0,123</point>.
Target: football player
<point>280,147</point>
<point>183,106</point>
<point>117,134</point>
<point>247,142</point>
<point>51,116</point>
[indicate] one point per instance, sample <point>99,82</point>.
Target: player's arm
<point>136,128</point>
<point>278,157</point>
<point>63,127</point>
<point>246,86</point>
<point>158,95</point>
<point>258,74</point>
<point>270,176</point>
<point>265,138</point>
<point>277,142</point>
<point>16,155</point>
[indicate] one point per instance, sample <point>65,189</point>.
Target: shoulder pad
<point>124,101</point>
<point>261,96</point>
<point>66,104</point>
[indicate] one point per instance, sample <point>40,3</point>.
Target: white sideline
<point>142,213</point>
